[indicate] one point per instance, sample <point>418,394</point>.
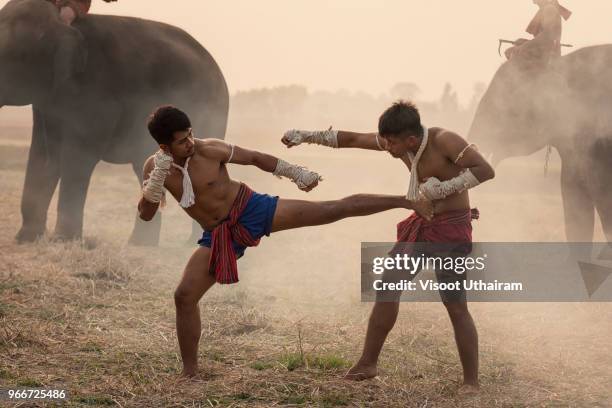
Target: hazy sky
<point>364,45</point>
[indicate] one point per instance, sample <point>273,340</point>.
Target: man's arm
<point>465,155</point>
<point>305,179</point>
<point>334,138</point>
<point>458,151</point>
<point>147,209</point>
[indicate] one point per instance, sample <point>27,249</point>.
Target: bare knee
<point>457,310</point>
<point>185,298</point>
<point>342,208</point>
<point>331,211</point>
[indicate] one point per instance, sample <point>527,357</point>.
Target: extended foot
<point>468,390</point>
<point>360,372</point>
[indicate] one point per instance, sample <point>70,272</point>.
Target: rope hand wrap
<point>301,176</point>
<point>327,137</point>
<point>434,189</point>
<point>153,187</point>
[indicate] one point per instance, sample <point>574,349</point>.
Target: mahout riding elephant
<point>567,105</point>
<point>92,87</point>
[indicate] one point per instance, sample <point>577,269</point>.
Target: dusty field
<point>97,317</point>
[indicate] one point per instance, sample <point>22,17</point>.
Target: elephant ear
<point>70,56</point>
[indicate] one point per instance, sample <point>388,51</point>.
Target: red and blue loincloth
<point>250,218</point>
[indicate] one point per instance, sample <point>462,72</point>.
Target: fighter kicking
<point>233,217</point>
<point>443,166</point>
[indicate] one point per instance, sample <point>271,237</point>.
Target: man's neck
<point>179,161</point>
<point>415,149</point>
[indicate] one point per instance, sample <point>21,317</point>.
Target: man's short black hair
<point>165,121</point>
<point>402,118</point>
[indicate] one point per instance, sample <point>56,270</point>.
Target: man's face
<point>183,145</point>
<point>398,145</point>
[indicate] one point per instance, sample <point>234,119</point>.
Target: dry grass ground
<point>97,317</point>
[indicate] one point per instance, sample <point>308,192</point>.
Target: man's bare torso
<point>434,163</point>
<point>214,190</point>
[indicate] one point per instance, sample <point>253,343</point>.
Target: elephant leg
<point>605,214</point>
<point>604,209</point>
<point>602,170</point>
<point>603,203</point>
<point>75,173</point>
<point>579,211</point>
<point>145,233</point>
<point>42,175</point>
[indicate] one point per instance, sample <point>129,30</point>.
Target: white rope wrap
<point>435,189</point>
<point>301,176</point>
<point>188,198</point>
<point>413,187</point>
<point>327,137</point>
<point>153,187</point>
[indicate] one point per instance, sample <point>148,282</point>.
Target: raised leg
<point>42,175</point>
<point>75,170</point>
<point>382,320</point>
<point>299,213</point>
<point>195,282</point>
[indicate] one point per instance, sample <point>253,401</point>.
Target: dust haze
<point>312,65</point>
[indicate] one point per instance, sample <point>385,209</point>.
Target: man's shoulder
<point>441,136</point>
<point>210,148</point>
<point>209,142</point>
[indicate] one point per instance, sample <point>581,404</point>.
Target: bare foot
<point>360,372</point>
<point>189,373</point>
<point>468,390</point>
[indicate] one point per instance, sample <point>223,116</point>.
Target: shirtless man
<point>446,167</point>
<point>233,217</point>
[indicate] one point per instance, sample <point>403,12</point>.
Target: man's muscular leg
<point>195,282</point>
<point>300,213</point>
<point>382,320</point>
<point>466,338</point>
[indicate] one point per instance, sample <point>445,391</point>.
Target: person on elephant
<point>70,10</point>
<point>546,28</point>
<point>443,167</point>
<point>233,217</point>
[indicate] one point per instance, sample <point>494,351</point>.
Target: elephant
<point>92,86</point>
<point>566,105</point>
